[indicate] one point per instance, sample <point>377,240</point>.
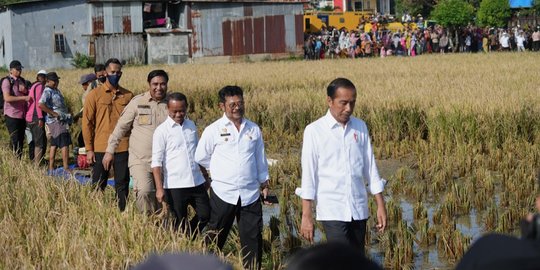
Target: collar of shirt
<point>149,98</point>
<point>224,121</point>
<point>108,88</point>
<point>332,122</point>
<point>171,123</point>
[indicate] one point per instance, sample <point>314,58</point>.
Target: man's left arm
<point>375,182</point>
<point>262,167</point>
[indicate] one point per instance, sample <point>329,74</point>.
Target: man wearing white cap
<point>35,119</point>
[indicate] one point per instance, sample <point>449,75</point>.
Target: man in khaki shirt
<point>101,111</point>
<point>143,114</point>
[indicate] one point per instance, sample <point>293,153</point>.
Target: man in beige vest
<point>143,114</point>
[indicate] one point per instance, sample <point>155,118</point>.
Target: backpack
<point>11,91</point>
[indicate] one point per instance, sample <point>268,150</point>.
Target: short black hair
<point>98,68</point>
<point>331,255</point>
<point>113,61</point>
<point>158,73</point>
<point>336,84</point>
<point>177,96</point>
<point>230,91</point>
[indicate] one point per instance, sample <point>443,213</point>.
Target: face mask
<point>113,79</point>
<point>102,79</point>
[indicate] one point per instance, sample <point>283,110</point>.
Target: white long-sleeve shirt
<point>337,163</point>
<point>173,149</point>
<point>236,160</point>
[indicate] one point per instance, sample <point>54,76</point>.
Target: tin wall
<point>33,30</point>
<point>233,29</point>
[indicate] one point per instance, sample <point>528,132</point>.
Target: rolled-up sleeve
<point>205,148</point>
<point>370,172</point>
<point>309,161</point>
<point>158,148</point>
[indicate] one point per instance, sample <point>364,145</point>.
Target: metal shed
<point>244,28</point>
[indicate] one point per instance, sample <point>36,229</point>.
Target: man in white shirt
<point>233,149</point>
<point>337,164</point>
<point>520,41</point>
<point>178,178</point>
<point>505,41</point>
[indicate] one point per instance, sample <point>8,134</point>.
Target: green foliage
<point>7,2</point>
<point>494,13</point>
<point>536,7</point>
<point>408,6</point>
<point>453,13</point>
<point>82,61</point>
<point>327,8</point>
<point>4,69</point>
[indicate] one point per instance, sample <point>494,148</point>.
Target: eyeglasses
<point>233,105</point>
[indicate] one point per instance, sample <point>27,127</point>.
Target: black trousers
<point>180,198</point>
<point>536,46</point>
<point>250,223</point>
<point>353,232</point>
<point>16,128</point>
<point>121,176</point>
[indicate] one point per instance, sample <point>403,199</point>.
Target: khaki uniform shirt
<point>101,111</point>
<point>142,116</point>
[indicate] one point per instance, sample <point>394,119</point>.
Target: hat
<point>51,76</point>
<point>15,64</point>
<point>42,72</point>
<point>87,78</point>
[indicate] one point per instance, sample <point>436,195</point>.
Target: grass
<point>467,128</point>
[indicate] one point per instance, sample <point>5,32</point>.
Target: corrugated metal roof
<point>3,3</point>
<point>249,1</point>
<point>6,3</point>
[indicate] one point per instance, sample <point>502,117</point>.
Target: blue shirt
<point>54,99</point>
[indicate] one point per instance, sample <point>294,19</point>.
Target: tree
<point>494,13</point>
<point>453,13</point>
<point>414,7</point>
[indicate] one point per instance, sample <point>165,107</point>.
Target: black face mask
<point>102,79</point>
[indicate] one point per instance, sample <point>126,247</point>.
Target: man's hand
<point>306,228</point>
<point>107,161</point>
<point>41,123</point>
<point>27,98</point>
<point>160,194</point>
<point>264,192</point>
<point>381,212</point>
<point>90,157</point>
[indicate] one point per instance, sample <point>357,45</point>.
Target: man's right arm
<point>205,148</point>
<point>88,125</point>
<point>6,92</point>
<point>158,153</point>
<point>123,126</point>
<point>308,189</point>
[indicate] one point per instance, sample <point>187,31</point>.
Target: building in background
<point>48,34</point>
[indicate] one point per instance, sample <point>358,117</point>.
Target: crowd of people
<point>377,42</point>
<point>223,174</point>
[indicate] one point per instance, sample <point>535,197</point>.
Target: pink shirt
<point>14,109</point>
<point>33,106</point>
